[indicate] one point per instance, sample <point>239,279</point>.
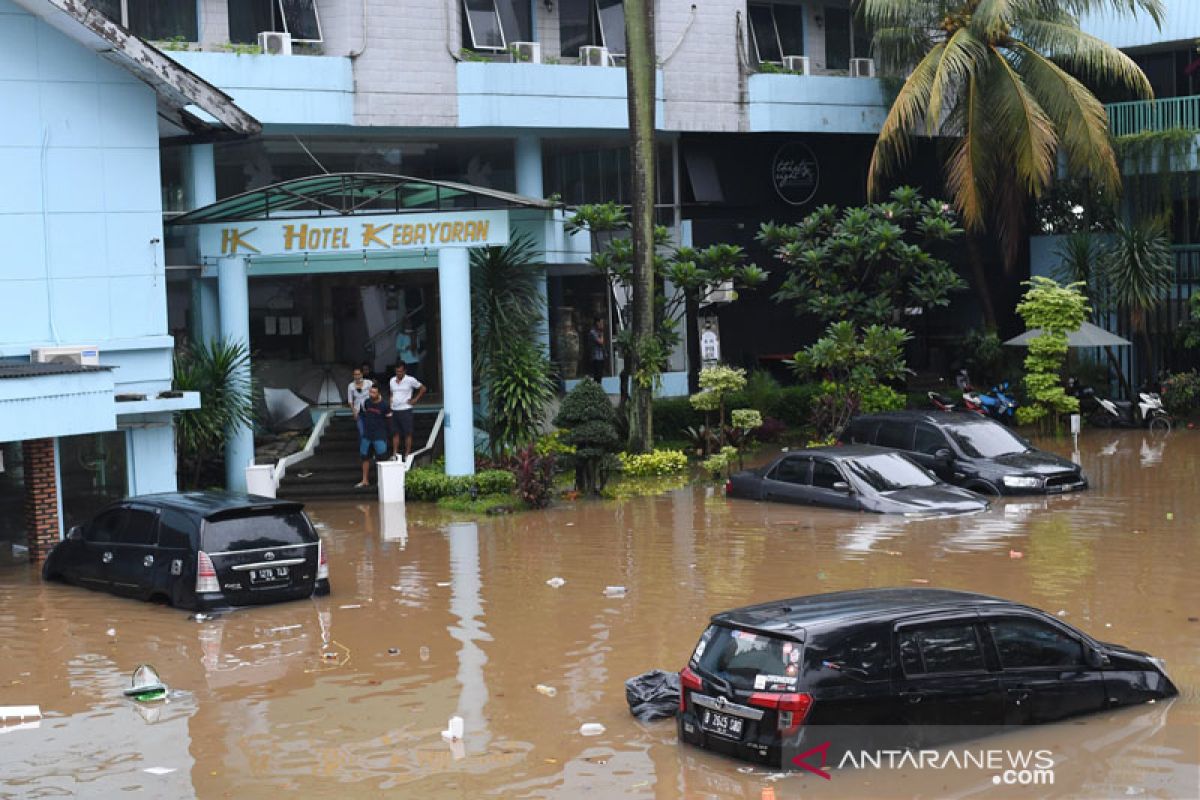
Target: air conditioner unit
<point>528,52</point>
<point>797,64</point>
<point>862,68</point>
<point>593,56</point>
<point>275,43</point>
<point>83,355</point>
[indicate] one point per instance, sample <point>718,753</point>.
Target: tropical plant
<point>1189,329</point>
<point>1138,269</point>
<point>716,384</point>
<point>1055,310</point>
<point>1004,80</point>
<point>220,371</point>
<point>535,475</point>
<point>1181,392</point>
<point>852,365</point>
<point>868,264</point>
<point>591,428</point>
<point>513,368</point>
<point>654,463</point>
<point>1080,255</point>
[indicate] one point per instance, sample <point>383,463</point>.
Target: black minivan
<point>772,679</point>
<point>968,450</point>
<point>196,550</point>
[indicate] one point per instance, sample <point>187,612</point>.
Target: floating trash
<point>424,653</point>
<point>549,691</point>
<point>111,632</point>
<point>614,591</point>
<point>454,730</point>
<point>159,770</point>
<point>1015,554</point>
<point>393,651</point>
<point>200,617</point>
<point>145,686</point>
<point>20,713</point>
<point>591,729</point>
<point>554,583</point>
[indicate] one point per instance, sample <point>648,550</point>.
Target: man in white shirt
<point>356,395</point>
<point>405,391</point>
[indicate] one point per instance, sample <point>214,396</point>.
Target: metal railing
<point>1139,116</point>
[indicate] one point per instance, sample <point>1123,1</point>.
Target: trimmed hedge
<point>792,405</point>
<point>431,484</point>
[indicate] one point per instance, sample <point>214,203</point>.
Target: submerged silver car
<point>856,478</point>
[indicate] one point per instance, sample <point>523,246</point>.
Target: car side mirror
<point>841,486</point>
<point>75,534</point>
<point>1095,658</point>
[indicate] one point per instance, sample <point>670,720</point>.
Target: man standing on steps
<point>406,390</point>
<point>356,394</point>
<point>373,415</point>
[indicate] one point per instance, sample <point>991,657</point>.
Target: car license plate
<point>724,725</point>
<point>269,575</point>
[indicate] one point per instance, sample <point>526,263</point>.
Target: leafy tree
<point>867,264</point>
<point>854,365</point>
<point>1056,310</point>
<point>1004,80</point>
<point>218,371</point>
<point>1138,269</point>
<point>514,371</point>
<point>716,384</point>
<point>591,428</point>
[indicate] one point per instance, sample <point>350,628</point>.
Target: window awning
<point>356,193</point>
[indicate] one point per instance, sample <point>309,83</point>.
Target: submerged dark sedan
<point>857,478</point>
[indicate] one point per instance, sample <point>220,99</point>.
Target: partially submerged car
<point>968,450</point>
<point>854,478</point>
<point>196,550</point>
<point>768,680</point>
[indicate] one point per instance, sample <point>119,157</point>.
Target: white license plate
<point>268,575</point>
<point>724,725</point>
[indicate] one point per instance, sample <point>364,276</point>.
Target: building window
<point>301,20</point>
<point>157,20</point>
<point>495,24</point>
<point>584,23</point>
<point>93,473</point>
<point>248,18</point>
<point>844,39</point>
<point>776,30</point>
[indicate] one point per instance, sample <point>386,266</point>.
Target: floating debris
<point>591,729</point>
<point>614,591</point>
<point>454,730</point>
<point>554,583</point>
<point>159,770</point>
<point>549,691</point>
<point>145,686</point>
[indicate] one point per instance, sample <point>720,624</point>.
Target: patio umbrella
<point>286,411</point>
<point>1088,335</point>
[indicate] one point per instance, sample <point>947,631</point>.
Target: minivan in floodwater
<point>768,680</point>
<point>196,550</point>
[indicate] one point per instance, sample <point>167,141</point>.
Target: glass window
<point>12,495</point>
<point>862,655</point>
<point>942,648</point>
<point>175,530</point>
<point>825,474</point>
<point>482,25</point>
<point>140,527</point>
<point>895,433</point>
<point>986,439</point>
<point>248,18</point>
<point>105,528</point>
<point>1025,643</point>
<point>789,24</point>
<point>575,27</point>
<point>611,14</point>
<point>516,20</point>
<point>889,472</point>
<point>159,20</point>
<point>860,40</point>
<point>256,530</point>
<point>763,33</point>
<point>837,38</point>
<point>92,472</point>
<point>792,470</point>
<point>930,440</point>
<point>301,20</point>
<point>863,431</point>
<point>750,661</point>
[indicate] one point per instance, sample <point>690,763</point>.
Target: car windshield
<point>888,472</point>
<point>748,661</point>
<point>985,439</point>
<point>256,530</point>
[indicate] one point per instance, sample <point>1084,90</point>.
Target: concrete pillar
<point>528,153</point>
<point>41,497</point>
<point>454,287</point>
<point>205,321</point>
<point>200,176</point>
<point>234,301</point>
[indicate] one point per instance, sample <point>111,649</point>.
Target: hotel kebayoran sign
<point>348,235</point>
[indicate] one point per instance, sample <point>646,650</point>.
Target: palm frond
<point>958,62</point>
<point>878,14</point>
<point>1023,124</point>
<point>1139,268</point>
<point>1084,55</point>
<point>970,173</point>
<point>893,145</point>
<point>898,49</point>
<point>1154,8</point>
<point>994,18</point>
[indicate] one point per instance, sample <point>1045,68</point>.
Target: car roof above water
<point>937,417</point>
<point>214,505</point>
<point>794,616</point>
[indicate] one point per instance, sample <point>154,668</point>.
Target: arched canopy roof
<point>344,194</point>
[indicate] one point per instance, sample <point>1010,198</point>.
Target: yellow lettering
<point>456,232</point>
<point>232,239</point>
<point>345,237</point>
<point>419,234</point>
<point>470,232</point>
<point>481,228</point>
<point>396,234</point>
<point>407,236</point>
<point>293,237</point>
<point>371,234</point>
<point>433,229</point>
<point>445,232</point>
<point>314,239</point>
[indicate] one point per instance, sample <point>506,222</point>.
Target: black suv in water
<point>770,680</point>
<point>196,550</point>
<point>968,450</point>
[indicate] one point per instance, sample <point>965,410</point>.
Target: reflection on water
<point>432,618</point>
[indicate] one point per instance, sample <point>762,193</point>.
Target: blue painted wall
<point>816,104</point>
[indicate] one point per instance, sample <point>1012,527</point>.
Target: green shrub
<point>591,428</point>
<point>658,462</point>
<point>795,404</point>
<point>552,444</point>
<point>721,462</point>
<point>430,484</point>
<point>880,398</point>
<point>674,415</point>
<point>495,481</point>
<point>762,393</point>
<point>484,504</point>
<point>1181,392</point>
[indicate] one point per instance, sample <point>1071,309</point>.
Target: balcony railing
<point>1166,113</point>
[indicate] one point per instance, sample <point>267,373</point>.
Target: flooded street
<point>433,616</point>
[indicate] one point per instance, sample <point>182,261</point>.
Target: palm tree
<point>217,370</point>
<point>1138,268</point>
<point>1003,79</point>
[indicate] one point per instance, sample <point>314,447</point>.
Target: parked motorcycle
<point>999,404</point>
<point>970,402</point>
<point>1104,412</point>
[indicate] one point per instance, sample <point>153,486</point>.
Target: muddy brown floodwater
<point>432,617</point>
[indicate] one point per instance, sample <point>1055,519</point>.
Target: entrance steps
<point>335,467</point>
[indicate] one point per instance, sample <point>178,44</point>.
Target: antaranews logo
<point>1009,767</point>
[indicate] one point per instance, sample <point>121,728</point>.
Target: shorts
<point>402,421</point>
<point>365,444</point>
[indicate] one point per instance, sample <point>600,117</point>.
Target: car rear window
<point>748,661</point>
<point>256,530</point>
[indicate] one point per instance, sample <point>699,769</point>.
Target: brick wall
<point>41,497</point>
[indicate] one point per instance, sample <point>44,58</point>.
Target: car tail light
<point>322,562</point>
<point>688,681</point>
<point>793,708</point>
<point>728,488</point>
<point>206,574</point>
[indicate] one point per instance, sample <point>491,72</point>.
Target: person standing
<point>405,391</point>
<point>356,394</point>
<point>373,415</point>
<point>597,343</point>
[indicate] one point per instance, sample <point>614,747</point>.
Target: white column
<point>454,288</point>
<point>234,300</point>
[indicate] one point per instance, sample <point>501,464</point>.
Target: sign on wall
<point>795,173</point>
<point>376,233</point>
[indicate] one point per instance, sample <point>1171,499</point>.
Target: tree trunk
<point>691,333</point>
<point>640,71</point>
<point>979,278</point>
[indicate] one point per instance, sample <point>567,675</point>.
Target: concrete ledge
<point>816,104</point>
<point>57,405</point>
<point>157,405</point>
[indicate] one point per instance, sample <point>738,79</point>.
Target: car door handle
<point>912,697</point>
<point>148,561</point>
<point>107,557</point>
